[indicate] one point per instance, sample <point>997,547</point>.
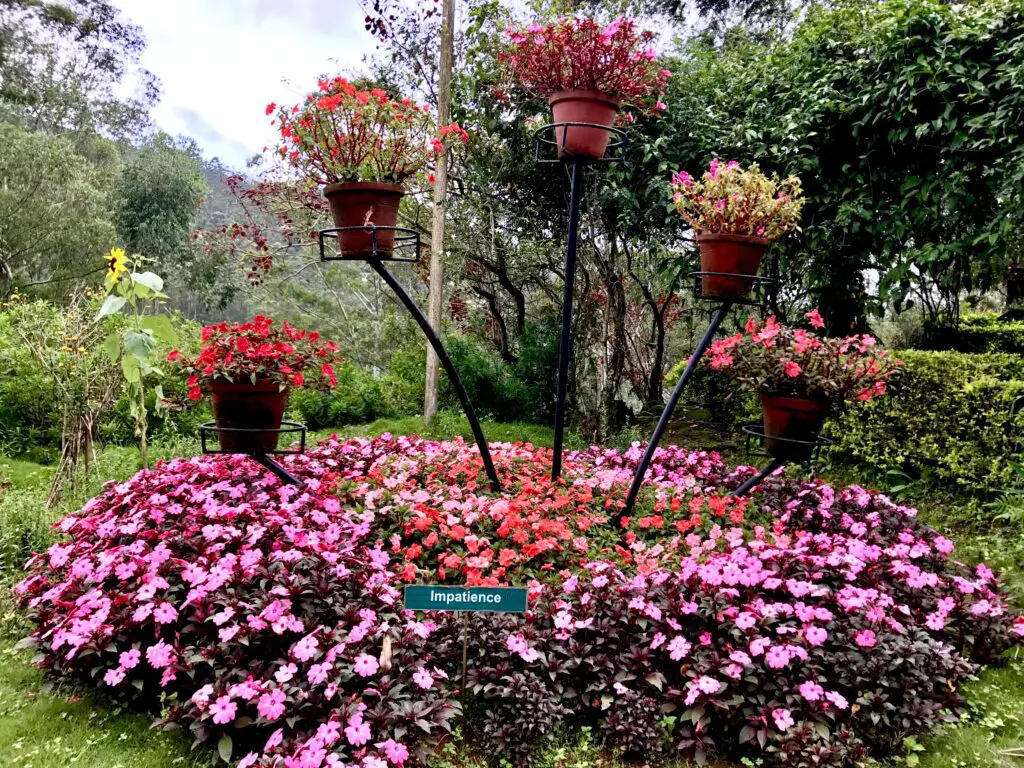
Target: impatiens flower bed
<point>811,626</point>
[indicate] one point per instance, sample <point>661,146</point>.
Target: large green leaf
<point>139,343</point>
<point>111,305</point>
<point>161,327</point>
<point>151,280</point>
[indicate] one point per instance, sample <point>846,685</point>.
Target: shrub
<point>979,333</point>
<point>267,618</point>
<point>24,529</point>
<point>951,417</point>
<point>28,403</point>
<point>358,398</point>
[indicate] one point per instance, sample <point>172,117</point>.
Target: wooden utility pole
<point>436,296</point>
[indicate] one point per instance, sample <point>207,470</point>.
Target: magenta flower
<point>865,638</point>
<point>223,710</point>
<point>365,665</point>
<point>783,719</point>
<point>271,705</point>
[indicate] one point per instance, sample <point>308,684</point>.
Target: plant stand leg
<point>659,430</point>
<point>446,362</point>
<point>565,342</point>
<point>744,489</point>
<point>278,470</point>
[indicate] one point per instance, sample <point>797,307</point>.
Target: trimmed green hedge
<point>950,417</point>
<point>980,333</point>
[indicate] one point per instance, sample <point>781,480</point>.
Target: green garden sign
<point>423,597</point>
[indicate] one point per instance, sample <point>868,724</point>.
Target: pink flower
<point>305,649</point>
<point>815,635</point>
<point>783,719</point>
<point>423,678</point>
<point>164,613</point>
<point>811,691</point>
<point>223,710</point>
<point>160,655</point>
<point>365,665</point>
<point>395,751</point>
<point>114,676</point>
<point>865,638</point>
<point>129,659</point>
<point>271,705</point>
<point>357,732</point>
<point>793,369</point>
<point>678,647</point>
<point>708,684</point>
<point>815,317</point>
<point>837,699</point>
<point>285,673</point>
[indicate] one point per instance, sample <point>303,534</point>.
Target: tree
<point>157,199</point>
<point>55,220</point>
<point>436,280</point>
<point>64,67</point>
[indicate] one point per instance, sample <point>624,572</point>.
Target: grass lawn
<point>44,728</point>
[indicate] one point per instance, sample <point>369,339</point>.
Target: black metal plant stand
<point>786,450</point>
<point>409,239</point>
<point>261,456</point>
<point>725,305</point>
<point>616,145</point>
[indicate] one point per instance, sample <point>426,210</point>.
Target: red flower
<point>271,107</point>
<point>173,355</point>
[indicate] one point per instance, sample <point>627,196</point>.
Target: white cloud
<point>220,62</point>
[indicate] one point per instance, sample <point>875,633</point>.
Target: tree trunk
<point>436,297</point>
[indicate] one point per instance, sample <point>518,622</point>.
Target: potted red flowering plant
<point>362,147</point>
<point>736,213</point>
<point>586,71</point>
<point>249,369</point>
<point>800,376</point>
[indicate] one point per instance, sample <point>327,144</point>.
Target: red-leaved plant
<point>617,60</point>
<point>341,133</point>
<point>260,351</point>
<point>773,358</point>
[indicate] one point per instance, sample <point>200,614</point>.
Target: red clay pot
<point>583,107</point>
<point>734,254</point>
<point>244,405</point>
<point>794,418</point>
<point>364,204</point>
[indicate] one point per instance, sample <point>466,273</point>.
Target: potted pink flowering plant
<point>800,377</point>
<point>586,71</point>
<point>362,147</point>
<point>736,214</point>
<point>249,369</point>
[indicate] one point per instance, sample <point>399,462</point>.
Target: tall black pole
<point>666,414</point>
<point>744,489</point>
<point>565,343</point>
<point>446,361</point>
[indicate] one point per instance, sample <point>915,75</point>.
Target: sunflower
<point>117,264</point>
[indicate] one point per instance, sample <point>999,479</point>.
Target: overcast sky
<point>220,62</point>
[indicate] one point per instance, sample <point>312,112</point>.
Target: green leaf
<point>161,327</point>
<point>139,343</point>
<point>151,280</point>
<point>130,368</point>
<point>111,346</point>
<point>224,748</point>
<point>111,305</point>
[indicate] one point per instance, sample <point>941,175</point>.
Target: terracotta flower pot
<point>244,405</point>
<point>583,107</point>
<point>793,418</point>
<point>364,204</point>
<point>733,254</point>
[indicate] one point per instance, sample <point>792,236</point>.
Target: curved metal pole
<point>446,361</point>
<point>277,469</point>
<point>744,489</point>
<point>659,430</point>
<point>565,343</point>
